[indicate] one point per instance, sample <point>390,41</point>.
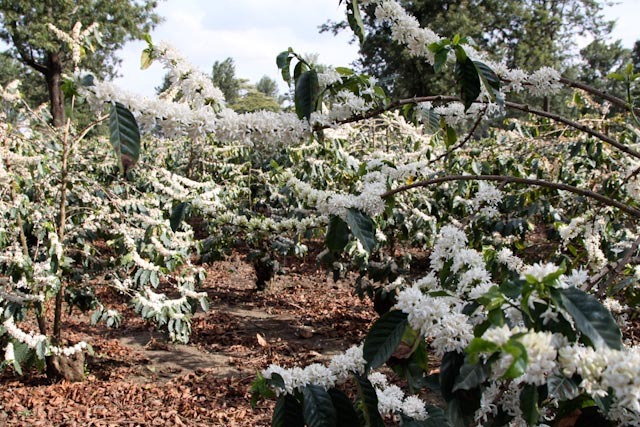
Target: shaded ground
<point>136,378</point>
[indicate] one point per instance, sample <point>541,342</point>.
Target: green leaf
<point>363,228</point>
<point>562,388</point>
<point>368,404</point>
<point>124,136</point>
<point>449,370</point>
<point>306,93</point>
<point>384,337</point>
<point>440,59</point>
<point>337,235</point>
<point>346,415</point>
<point>471,376</point>
<point>355,19</point>
<point>592,319</point>
<point>468,79</point>
<point>489,78</point>
<point>283,61</point>
<point>288,412</point>
<point>519,364</point>
<point>529,404</point>
<point>317,407</point>
<point>260,389</point>
<point>177,215</point>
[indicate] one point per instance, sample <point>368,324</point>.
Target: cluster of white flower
<point>542,351</point>
<point>19,297</point>
<point>604,369</point>
<point>10,93</point>
<point>31,339</point>
<point>327,77</point>
<point>438,318</point>
<point>9,354</point>
<point>486,199</point>
<point>339,370</point>
<point>159,302</point>
<point>76,39</point>
<point>405,29</point>
<point>511,261</point>
<point>368,201</point>
<point>194,87</point>
<point>392,400</point>
<point>68,351</point>
<point>344,105</point>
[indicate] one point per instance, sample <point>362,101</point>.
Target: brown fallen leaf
<point>261,341</point>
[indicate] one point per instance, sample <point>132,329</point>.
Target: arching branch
<point>526,181</point>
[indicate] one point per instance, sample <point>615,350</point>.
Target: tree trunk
<point>53,76</point>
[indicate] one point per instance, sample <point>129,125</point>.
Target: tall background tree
<point>527,34</point>
<point>224,77</point>
<point>23,26</point>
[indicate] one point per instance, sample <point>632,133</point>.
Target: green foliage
<point>254,100</point>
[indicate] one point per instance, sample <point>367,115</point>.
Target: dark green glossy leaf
<point>529,404</point>
<point>592,318</point>
<point>471,376</point>
<point>437,417</point>
<point>468,80</point>
<point>306,93</point>
<point>363,228</point>
<point>337,235</point>
<point>449,370</point>
<point>178,214</point>
<point>368,403</point>
<point>384,337</point>
<point>124,136</point>
<point>317,407</point>
<point>488,76</point>
<point>288,412</point>
<point>346,415</point>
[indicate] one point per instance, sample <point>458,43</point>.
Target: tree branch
<point>511,179</point>
<point>575,125</point>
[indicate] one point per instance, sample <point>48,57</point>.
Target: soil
<point>137,378</point>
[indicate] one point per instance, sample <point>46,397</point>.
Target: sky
<point>253,32</point>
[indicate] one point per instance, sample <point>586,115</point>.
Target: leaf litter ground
<point>137,378</point>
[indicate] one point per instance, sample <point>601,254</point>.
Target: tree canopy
<point>527,34</point>
<point>24,26</point>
